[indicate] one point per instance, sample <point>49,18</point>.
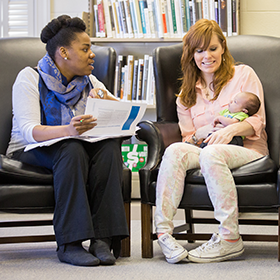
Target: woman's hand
<point>98,93</point>
<point>81,124</point>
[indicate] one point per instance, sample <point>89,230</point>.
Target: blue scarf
<point>57,100</point>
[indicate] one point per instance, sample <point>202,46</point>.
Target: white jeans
<point>215,162</point>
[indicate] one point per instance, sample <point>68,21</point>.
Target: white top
<point>26,107</point>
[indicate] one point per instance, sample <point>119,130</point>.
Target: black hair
<point>61,31</point>
<point>253,104</point>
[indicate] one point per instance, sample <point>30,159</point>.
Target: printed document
<point>114,119</point>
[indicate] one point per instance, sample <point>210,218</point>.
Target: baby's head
<point>246,102</point>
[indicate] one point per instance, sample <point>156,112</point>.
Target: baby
<point>243,105</point>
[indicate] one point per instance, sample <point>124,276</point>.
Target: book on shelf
<point>229,17</point>
<point>222,8</point>
<point>139,79</point>
<point>164,16</point>
<point>151,18</point>
<point>128,19</point>
<point>115,17</point>
<point>134,81</point>
<point>235,17</point>
<point>147,20</point>
<point>101,19</point>
<point>133,18</point>
<point>120,64</point>
<point>173,18</point>
<point>205,9</point>
<point>107,19</point>
<point>138,19</point>
<point>112,19</point>
<point>145,77</point>
<point>150,82</point>
<point>178,15</point>
<point>124,19</point>
<point>130,69</point>
<point>158,18</point>
<point>142,6</point>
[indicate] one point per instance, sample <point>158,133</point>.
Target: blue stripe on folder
<point>132,116</point>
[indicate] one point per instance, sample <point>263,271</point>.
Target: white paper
<point>114,119</point>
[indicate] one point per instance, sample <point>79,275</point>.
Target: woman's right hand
<point>81,124</point>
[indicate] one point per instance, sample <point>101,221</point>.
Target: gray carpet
<point>39,261</point>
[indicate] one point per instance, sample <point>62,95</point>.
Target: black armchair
<point>257,182</point>
<point>25,188</point>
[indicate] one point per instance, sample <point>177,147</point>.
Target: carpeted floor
<point>39,261</point>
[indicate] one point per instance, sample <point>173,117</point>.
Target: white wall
<point>73,8</point>
<point>260,17</point>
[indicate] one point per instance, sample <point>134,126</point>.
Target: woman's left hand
<point>98,93</point>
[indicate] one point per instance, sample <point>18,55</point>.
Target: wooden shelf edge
<point>135,40</point>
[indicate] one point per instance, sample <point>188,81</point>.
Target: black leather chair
<point>257,182</point>
<point>25,188</point>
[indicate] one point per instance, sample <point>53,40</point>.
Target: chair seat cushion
<point>15,172</point>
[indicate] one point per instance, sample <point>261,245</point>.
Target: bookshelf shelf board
<point>135,40</point>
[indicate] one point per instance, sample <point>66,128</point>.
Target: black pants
<point>87,188</point>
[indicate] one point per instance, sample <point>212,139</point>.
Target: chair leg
<point>126,243</point>
<point>279,234</point>
<point>188,217</point>
<point>146,223</point>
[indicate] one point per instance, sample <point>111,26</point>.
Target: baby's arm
<point>224,121</point>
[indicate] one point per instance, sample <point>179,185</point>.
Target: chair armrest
<point>158,136</point>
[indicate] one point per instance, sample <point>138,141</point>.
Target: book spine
<point>145,77</point>
<point>134,82</point>
<point>205,8</point>
<point>101,18</point>
<point>97,33</point>
<point>130,68</point>
<point>107,18</point>
<point>115,15</point>
<point>151,18</point>
<point>175,31</point>
<point>112,19</point>
<point>191,12</point>
<point>178,16</point>
<point>182,6</point>
<point>198,9</point>
<point>138,17</point>
<point>139,79</point>
<point>165,27</point>
<point>188,17</point>
<point>157,5</point>
<point>133,18</point>
<point>150,83</point>
<point>170,19</point>
<point>223,15</point>
<point>229,17</point>
<point>128,18</point>
<point>212,9</point>
<point>123,17</point>
<point>142,6</point>
<point>119,16</point>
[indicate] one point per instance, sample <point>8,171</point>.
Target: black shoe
<point>74,253</point>
<point>101,248</point>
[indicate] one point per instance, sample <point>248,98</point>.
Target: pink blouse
<point>204,111</point>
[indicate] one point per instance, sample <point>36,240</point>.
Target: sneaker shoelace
<point>171,243</point>
<point>212,243</point>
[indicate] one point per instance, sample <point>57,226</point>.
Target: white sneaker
<point>215,250</point>
<point>171,249</point>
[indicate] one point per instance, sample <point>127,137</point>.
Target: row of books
<point>160,18</point>
<point>134,79</point>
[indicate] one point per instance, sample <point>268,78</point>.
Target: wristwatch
<point>195,140</point>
